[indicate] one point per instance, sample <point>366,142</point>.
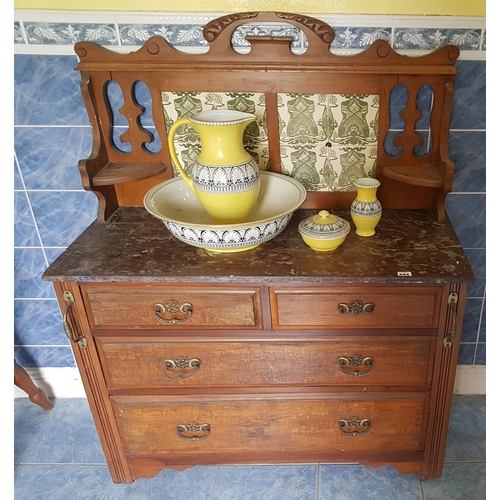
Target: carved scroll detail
<point>319,28</point>
<point>214,28</point>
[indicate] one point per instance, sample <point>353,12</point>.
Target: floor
<point>57,455</point>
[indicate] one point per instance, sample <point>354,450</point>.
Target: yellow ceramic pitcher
<point>224,178</point>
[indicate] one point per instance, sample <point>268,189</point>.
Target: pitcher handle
<point>173,155</point>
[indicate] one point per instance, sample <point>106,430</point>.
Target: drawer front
<point>158,364</point>
<point>173,307</point>
<point>356,307</point>
<point>318,423</point>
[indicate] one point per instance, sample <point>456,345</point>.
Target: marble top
<point>134,246</point>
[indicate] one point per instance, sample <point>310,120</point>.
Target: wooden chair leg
<point>35,394</point>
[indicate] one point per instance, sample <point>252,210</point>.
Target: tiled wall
<point>52,133</point>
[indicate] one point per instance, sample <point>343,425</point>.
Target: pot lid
<point>324,226</point>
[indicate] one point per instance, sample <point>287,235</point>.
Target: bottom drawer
<point>181,425</point>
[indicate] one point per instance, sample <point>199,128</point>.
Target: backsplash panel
<point>52,133</point>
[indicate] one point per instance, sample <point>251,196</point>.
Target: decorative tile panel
<point>431,39</point>
<point>129,30</point>
<point>69,33</point>
<point>18,33</point>
<point>328,140</point>
<point>355,37</point>
<point>187,142</point>
<point>181,35</point>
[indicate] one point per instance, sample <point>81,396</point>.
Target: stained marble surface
<point>56,456</point>
<point>133,247</point>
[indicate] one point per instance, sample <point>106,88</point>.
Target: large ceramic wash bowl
<point>175,204</point>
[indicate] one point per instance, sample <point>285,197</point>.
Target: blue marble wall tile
<point>25,233</point>
<point>470,327</point>
<point>114,95</point>
<point>69,33</point>
<point>47,91</point>
<point>50,356</point>
<point>398,101</point>
<point>469,101</point>
<point>480,354</point>
<point>29,265</point>
<point>425,99</point>
<point>155,145</point>
<point>18,182</point>
<point>181,35</point>
<point>48,156</point>
<point>143,97</point>
<point>193,484</point>
<point>118,143</point>
<point>482,327</point>
<point>389,147</point>
<point>467,213</point>
<point>357,482</point>
<point>433,38</point>
<point>63,215</point>
<point>61,482</point>
<point>38,322</point>
<point>53,253</point>
<point>18,33</point>
<point>424,148</point>
<point>468,151</point>
<point>354,37</point>
<point>477,259</point>
<point>270,482</point>
<point>466,354</point>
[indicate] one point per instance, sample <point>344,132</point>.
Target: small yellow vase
<point>225,178</point>
<point>366,210</point>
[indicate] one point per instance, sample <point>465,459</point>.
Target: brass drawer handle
<point>182,363</point>
<point>75,338</point>
<point>354,361</point>
<point>453,303</point>
<point>173,307</point>
<point>355,307</point>
<point>352,426</point>
<point>191,430</point>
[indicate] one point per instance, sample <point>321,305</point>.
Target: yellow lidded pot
<point>324,231</point>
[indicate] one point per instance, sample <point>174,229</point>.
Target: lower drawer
<point>248,424</point>
<point>154,363</point>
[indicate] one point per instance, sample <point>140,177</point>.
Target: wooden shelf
<point>121,172</point>
<point>426,176</point>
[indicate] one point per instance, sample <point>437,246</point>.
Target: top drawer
<point>172,306</point>
<point>355,307</point>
